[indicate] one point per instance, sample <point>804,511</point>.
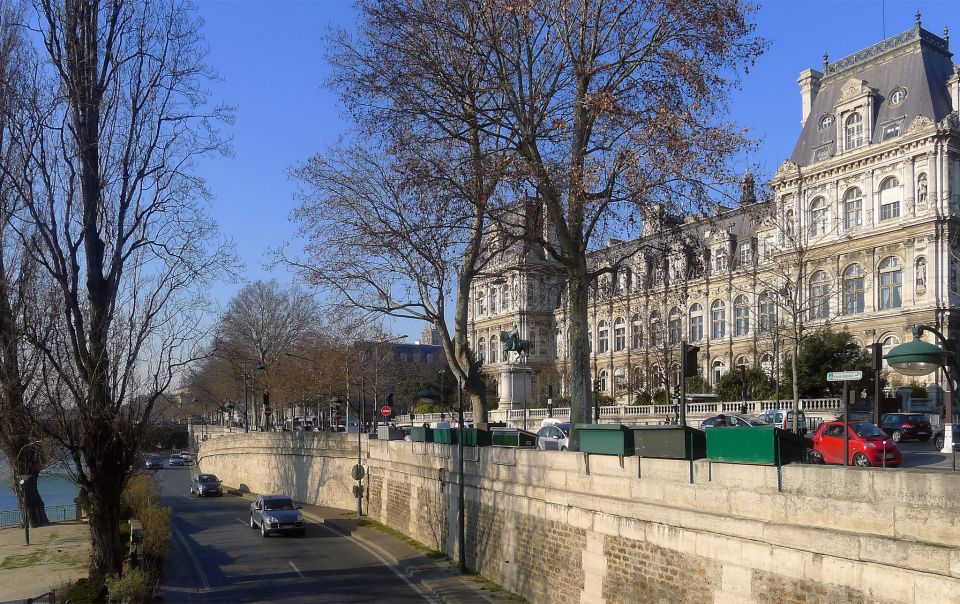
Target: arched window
<point>766,364</point>
<point>853,132</point>
<point>718,370</point>
<point>742,362</point>
<point>636,331</point>
<point>481,302</point>
<point>819,217</point>
<point>888,342</point>
<point>853,290</point>
<point>619,334</point>
<point>741,316</point>
<point>603,337</point>
<point>920,272</point>
<point>603,381</point>
<point>852,208</point>
<point>675,326</point>
<point>718,319</point>
<point>766,313</point>
<point>494,298</point>
<point>482,350</point>
<point>820,295</point>
<point>494,346</point>
<point>889,198</point>
<point>656,335</point>
<point>891,279</point>
<point>696,323</point>
<point>620,380</point>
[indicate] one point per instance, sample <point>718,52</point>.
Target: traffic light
<point>689,356</point>
<point>266,398</point>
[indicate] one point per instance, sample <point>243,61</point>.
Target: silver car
<point>276,514</point>
<point>554,437</point>
<point>206,484</point>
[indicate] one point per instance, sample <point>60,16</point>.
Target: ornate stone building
<point>860,233</point>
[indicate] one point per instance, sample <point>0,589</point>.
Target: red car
<point>868,445</point>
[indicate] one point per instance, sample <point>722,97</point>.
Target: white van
<point>783,418</point>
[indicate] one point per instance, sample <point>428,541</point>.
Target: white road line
<point>193,559</point>
<point>371,547</point>
<point>294,567</point>
<point>186,497</point>
<point>243,522</point>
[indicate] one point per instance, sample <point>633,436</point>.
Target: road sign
<point>357,472</point>
<point>267,411</point>
<point>844,376</point>
<point>386,411</point>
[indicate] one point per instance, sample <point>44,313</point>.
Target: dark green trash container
<point>474,437</point>
<point>513,437</point>
<point>757,445</point>
<point>605,439</point>
<point>420,434</point>
<point>669,442</point>
<point>445,436</point>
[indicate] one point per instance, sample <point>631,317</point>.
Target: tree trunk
<point>105,532</point>
<point>796,386</point>
<point>580,387</point>
<point>31,503</point>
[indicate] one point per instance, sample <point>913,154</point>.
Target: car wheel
<point>563,448</point>
<point>861,460</point>
<point>897,436</point>
<point>263,531</point>
<point>815,456</point>
<point>938,442</point>
<point>252,524</point>
<point>924,439</point>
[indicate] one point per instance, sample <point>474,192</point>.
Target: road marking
<point>381,556</point>
<point>186,497</point>
<point>294,566</point>
<point>193,559</point>
<point>243,522</point>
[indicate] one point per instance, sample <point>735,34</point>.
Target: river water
<point>55,484</point>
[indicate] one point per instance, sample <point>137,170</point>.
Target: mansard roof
<point>916,60</point>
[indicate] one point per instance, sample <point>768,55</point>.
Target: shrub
<point>85,591</point>
<point>134,586</point>
<point>156,534</point>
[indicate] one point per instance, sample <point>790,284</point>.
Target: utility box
<point>513,437</point>
<point>605,439</point>
<point>421,434</point>
<point>389,433</point>
<point>669,442</point>
<point>756,445</point>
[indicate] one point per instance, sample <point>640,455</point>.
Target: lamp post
<point>918,358</point>
<point>22,479</point>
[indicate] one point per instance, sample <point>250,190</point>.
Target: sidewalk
<point>438,577</point>
<point>57,554</point>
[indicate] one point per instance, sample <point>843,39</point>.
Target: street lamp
<point>22,480</point>
<point>922,358</point>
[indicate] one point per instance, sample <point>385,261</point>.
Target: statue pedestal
<point>516,386</point>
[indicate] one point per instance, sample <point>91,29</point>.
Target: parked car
<point>783,418</point>
<point>276,514</point>
<point>938,436</point>
<point>734,419</point>
<point>206,484</point>
<point>904,426</point>
<point>175,460</point>
<point>154,462</point>
<point>554,437</point>
<point>868,445</point>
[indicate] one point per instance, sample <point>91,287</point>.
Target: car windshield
<point>207,478</point>
<point>278,504</point>
<point>154,458</point>
<point>867,430</point>
<point>916,418</point>
<point>754,421</point>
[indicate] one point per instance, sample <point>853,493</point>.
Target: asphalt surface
<point>925,455</point>
<point>216,557</point>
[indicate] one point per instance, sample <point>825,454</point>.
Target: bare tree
<point>106,141</point>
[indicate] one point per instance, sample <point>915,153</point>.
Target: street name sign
<point>844,376</point>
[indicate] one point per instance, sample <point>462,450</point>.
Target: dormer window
<point>897,95</point>
<point>853,132</point>
<point>826,121</point>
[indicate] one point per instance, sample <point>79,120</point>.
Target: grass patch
<point>367,522</point>
<point>22,560</point>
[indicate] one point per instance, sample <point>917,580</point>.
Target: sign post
<point>846,377</point>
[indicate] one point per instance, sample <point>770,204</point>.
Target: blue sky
<point>269,54</point>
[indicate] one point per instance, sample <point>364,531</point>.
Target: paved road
<point>216,557</point>
<point>925,455</point>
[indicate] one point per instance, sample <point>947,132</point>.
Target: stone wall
<point>540,525</point>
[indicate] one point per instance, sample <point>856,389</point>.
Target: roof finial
<point>916,18</point>
<point>826,61</point>
<point>946,35</point>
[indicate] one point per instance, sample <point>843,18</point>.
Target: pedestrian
<point>667,419</point>
<point>743,408</point>
<point>721,421</point>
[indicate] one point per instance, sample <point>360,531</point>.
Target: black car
<point>154,462</point>
<point>938,436</point>
<point>903,426</point>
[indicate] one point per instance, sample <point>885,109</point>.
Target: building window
<point>720,261</point>
<point>636,328</point>
<point>853,132</point>
<point>897,95</point>
<point>820,295</point>
<point>766,364</point>
<point>889,199</point>
<point>891,279</point>
<point>493,348</point>
<point>718,370</point>
<point>887,344</point>
<point>852,208</point>
<point>603,337</point>
<point>765,312</point>
<point>505,298</point>
<point>819,217</point>
<point>696,323</point>
<point>657,381</point>
<point>826,120</point>
<point>891,130</point>
<point>620,380</point>
<point>657,273</point>
<point>619,334</point>
<point>481,305</point>
<point>655,336</point>
<point>853,290</point>
<point>742,362</point>
<point>741,316</point>
<point>767,250</point>
<point>494,298</point>
<point>482,350</point>
<point>675,327</point>
<point>744,254</point>
<point>718,319</point>
<point>603,381</point>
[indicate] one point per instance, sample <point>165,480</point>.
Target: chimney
<point>809,81</point>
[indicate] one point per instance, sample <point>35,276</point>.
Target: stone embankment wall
<point>540,525</point>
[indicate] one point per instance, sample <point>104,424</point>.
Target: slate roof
<point>915,59</point>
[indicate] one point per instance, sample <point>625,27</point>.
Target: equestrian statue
<point>511,341</point>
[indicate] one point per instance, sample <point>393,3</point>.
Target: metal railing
<point>55,513</point>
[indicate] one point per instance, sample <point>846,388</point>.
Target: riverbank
<point>55,485</point>
<point>58,554</point>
